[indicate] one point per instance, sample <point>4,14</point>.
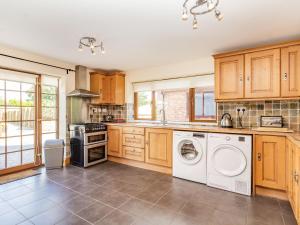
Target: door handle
<point>241,78</point>
<point>259,156</point>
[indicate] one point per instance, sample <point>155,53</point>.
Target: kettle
<point>226,121</point>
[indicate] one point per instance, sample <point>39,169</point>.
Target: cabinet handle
<point>241,78</point>
<point>248,78</point>
<point>285,76</point>
<point>296,177</point>
<point>259,156</point>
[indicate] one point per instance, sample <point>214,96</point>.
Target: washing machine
<point>189,155</point>
<point>229,162</point>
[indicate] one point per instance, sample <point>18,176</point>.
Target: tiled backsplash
<point>96,112</point>
<point>289,109</point>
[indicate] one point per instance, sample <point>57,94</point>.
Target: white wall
<point>194,67</point>
<point>67,82</point>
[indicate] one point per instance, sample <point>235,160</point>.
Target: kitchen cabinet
<point>293,178</point>
<point>158,147</point>
<point>290,71</point>
<point>229,77</point>
<point>267,72</point>
<point>270,162</point>
<point>262,72</point>
<point>111,87</point>
<point>114,141</point>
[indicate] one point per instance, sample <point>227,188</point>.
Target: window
<point>176,105</point>
<point>203,105</point>
<point>185,99</point>
<point>144,103</point>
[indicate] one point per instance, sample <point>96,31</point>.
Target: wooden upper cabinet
<point>229,76</point>
<point>262,72</point>
<point>114,141</point>
<point>110,86</point>
<point>270,162</point>
<point>290,71</point>
<point>97,85</point>
<point>158,147</point>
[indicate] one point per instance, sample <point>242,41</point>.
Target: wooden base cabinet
<point>134,143</point>
<point>158,146</point>
<point>115,141</point>
<point>270,162</point>
<point>293,178</point>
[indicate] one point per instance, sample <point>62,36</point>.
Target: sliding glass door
<point>27,113</point>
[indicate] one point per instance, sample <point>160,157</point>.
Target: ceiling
<point>142,33</point>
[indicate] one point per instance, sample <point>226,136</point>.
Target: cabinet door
<point>290,71</point>
<point>262,70</point>
<point>119,90</point>
<point>115,141</point>
<point>159,147</point>
<point>106,90</point>
<point>97,83</point>
<point>271,162</point>
<point>229,77</point>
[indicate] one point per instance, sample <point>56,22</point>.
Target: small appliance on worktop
<point>88,144</point>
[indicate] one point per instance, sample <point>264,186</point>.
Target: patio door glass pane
<point>17,119</point>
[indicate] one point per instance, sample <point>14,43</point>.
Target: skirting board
<point>271,193</point>
<point>141,165</point>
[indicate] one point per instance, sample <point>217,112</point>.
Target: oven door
<point>94,154</point>
<point>95,137</point>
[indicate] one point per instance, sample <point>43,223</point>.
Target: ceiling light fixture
<point>90,42</point>
<point>201,7</point>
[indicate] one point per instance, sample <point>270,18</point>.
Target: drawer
<point>133,130</point>
<point>133,140</point>
<point>133,153</point>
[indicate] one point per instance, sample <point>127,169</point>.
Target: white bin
<point>54,153</point>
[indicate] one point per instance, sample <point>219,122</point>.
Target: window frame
<point>153,107</point>
<point>191,105</point>
<point>192,102</point>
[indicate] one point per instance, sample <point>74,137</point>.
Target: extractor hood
<point>81,83</point>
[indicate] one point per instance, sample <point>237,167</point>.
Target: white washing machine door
<point>189,150</point>
<point>228,160</point>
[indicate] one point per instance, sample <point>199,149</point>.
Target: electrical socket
<point>241,109</point>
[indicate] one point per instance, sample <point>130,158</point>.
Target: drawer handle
<point>259,156</point>
<point>285,76</point>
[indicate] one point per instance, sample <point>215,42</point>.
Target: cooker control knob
<point>228,138</point>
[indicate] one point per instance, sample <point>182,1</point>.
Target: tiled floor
<point>116,194</point>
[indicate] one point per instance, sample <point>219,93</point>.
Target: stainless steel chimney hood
<point>81,83</point>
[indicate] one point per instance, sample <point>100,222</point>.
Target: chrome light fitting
<point>90,42</point>
<point>201,7</point>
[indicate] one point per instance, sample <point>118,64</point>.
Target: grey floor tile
<point>78,203</point>
<point>171,202</point>
<point>117,217</point>
<point>115,199</point>
<point>51,216</point>
<point>289,220</point>
<point>15,192</point>
<point>36,207</point>
<point>223,218</point>
<point>95,212</point>
<point>158,215</point>
<point>11,218</point>
<point>5,208</point>
<point>136,207</point>
<point>26,199</point>
<point>73,220</point>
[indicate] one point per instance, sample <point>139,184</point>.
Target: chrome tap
<point>163,111</point>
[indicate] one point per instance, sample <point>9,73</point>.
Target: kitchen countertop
<point>294,137</point>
